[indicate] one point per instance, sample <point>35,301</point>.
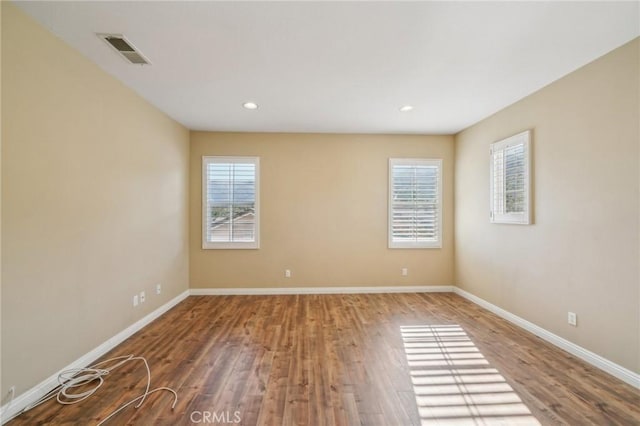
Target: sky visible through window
<point>231,196</point>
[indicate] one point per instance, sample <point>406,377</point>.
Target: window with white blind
<point>509,179</point>
<point>415,203</point>
<point>231,205</point>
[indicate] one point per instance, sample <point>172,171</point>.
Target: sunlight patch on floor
<point>453,382</point>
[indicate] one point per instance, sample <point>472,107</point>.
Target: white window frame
<point>206,160</point>
<point>497,192</point>
<point>415,244</point>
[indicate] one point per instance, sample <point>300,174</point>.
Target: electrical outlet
<point>143,297</point>
<point>287,273</point>
<point>158,288</point>
<point>135,300</point>
<point>405,272</point>
<point>572,319</point>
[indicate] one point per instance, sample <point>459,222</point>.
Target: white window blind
<point>415,203</point>
<point>230,202</point>
<point>509,179</point>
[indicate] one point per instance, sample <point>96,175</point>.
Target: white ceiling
<point>343,67</point>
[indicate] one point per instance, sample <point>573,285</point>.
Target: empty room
<point>320,213</point>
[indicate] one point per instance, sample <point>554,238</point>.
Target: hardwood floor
<point>358,359</point>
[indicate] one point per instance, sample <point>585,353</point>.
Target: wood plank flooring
<point>357,359</point>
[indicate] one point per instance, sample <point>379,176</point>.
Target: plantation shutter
<point>510,179</point>
<point>230,199</point>
<point>415,203</point>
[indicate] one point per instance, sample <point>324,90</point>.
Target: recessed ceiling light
<point>406,108</point>
<point>250,105</point>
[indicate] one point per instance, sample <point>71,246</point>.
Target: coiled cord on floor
<point>74,378</point>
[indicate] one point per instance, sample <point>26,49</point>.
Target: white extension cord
<point>77,377</point>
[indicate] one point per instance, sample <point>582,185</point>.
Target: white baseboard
<point>318,290</point>
<point>596,360</point>
<point>15,407</point>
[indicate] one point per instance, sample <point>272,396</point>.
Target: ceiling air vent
<point>125,48</point>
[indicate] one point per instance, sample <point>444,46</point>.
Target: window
<point>230,200</point>
<point>415,203</point>
<point>509,179</point>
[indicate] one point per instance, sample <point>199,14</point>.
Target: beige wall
<point>94,204</point>
<point>582,253</point>
<point>324,212</point>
